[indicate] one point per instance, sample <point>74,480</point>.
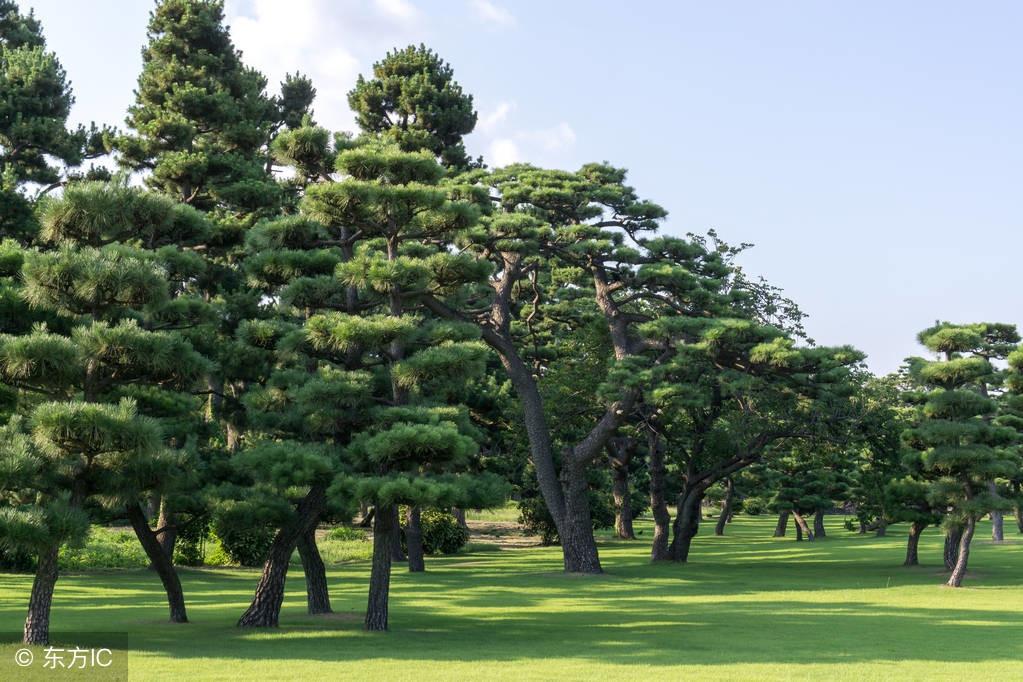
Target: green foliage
<point>442,533</point>
<point>345,534</point>
<point>246,543</point>
<point>104,549</point>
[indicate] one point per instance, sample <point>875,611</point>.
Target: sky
<point>872,151</point>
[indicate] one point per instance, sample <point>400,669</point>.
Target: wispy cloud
<point>490,13</point>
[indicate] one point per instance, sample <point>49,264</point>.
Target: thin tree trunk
<point>168,535</point>
<point>726,507</point>
<point>316,589</point>
<point>863,527</point>
<point>380,574</point>
<point>1019,518</point>
<point>397,553</point>
<point>687,524</point>
<point>997,518</point>
<point>882,528</point>
<point>912,557</point>
<point>37,622</point>
<point>577,542</point>
<point>265,609</point>
<point>959,571</point>
<point>818,524</point>
<point>414,540</point>
<point>623,503</point>
<point>658,505</point>
<point>951,553</point>
<point>367,518</point>
<point>160,562</point>
<point>459,515</point>
<point>801,526</point>
<point>782,525</point>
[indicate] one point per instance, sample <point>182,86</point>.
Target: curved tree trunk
<point>951,552</point>
<point>414,540</point>
<point>384,531</point>
<point>818,524</point>
<point>801,527</point>
<point>316,589</point>
<point>915,529</point>
<point>265,609</point>
<point>159,561</point>
<point>726,507</point>
<point>782,525</point>
<point>959,570</point>
<point>658,505</point>
<point>37,622</point>
<point>577,542</point>
<point>167,524</point>
<point>687,524</point>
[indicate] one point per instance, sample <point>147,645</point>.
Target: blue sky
<point>873,151</point>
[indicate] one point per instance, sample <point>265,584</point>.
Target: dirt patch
<point>505,534</point>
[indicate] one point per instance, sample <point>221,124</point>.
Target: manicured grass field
<point>747,607</point>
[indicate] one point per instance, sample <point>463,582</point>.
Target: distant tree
<point>414,101</point>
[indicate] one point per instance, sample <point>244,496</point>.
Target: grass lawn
<point>747,607</point>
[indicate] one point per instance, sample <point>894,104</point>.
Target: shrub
<point>105,548</point>
<point>346,534</point>
<point>190,547</point>
<point>753,506</point>
<point>245,545</point>
<point>442,532</point>
<point>16,560</point>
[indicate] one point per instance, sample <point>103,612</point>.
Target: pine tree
<point>414,101</point>
<point>957,441</point>
<point>91,435</point>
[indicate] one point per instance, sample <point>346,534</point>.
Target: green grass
<point>508,512</point>
<point>747,607</point>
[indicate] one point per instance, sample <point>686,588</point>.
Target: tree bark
<point>384,531</point>
<point>658,505</point>
<point>577,542</point>
<point>959,571</point>
<point>265,609</point>
<point>782,525</point>
<point>863,527</point>
<point>818,524</point>
<point>316,589</point>
<point>160,561</point>
<point>169,531</point>
<point>951,553</point>
<point>37,622</point>
<point>882,528</point>
<point>623,505</point>
<point>397,553</point>
<point>459,515</point>
<point>414,540</point>
<point>1019,518</point>
<point>801,526</point>
<point>997,518</point>
<point>915,529</point>
<point>367,517</point>
<point>687,524</point>
<point>726,507</point>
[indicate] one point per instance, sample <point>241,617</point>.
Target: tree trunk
<point>951,553</point>
<point>384,530</point>
<point>577,542</point>
<point>915,529</point>
<point>959,571</point>
<point>414,540</point>
<point>160,561</point>
<point>367,517</point>
<point>863,527</point>
<point>687,524</point>
<point>397,553</point>
<point>459,515</point>
<point>782,525</point>
<point>658,505</point>
<point>818,524</point>
<point>997,518</point>
<point>265,609</point>
<point>882,528</point>
<point>801,526</point>
<point>623,503</point>
<point>169,534</point>
<point>316,590</point>
<point>726,507</point>
<point>1019,518</point>
<point>37,622</point>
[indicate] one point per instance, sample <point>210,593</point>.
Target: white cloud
<point>502,152</point>
<point>490,13</point>
<point>331,41</point>
<point>551,139</point>
<point>490,121</point>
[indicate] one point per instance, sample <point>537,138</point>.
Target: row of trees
<point>288,324</point>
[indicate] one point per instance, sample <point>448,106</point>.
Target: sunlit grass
<point>748,606</point>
